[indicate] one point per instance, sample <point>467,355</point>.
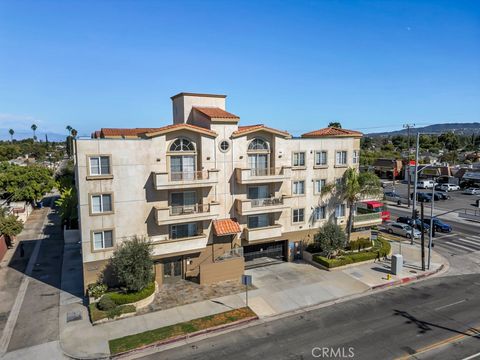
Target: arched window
<point>258,144</point>
<point>182,145</point>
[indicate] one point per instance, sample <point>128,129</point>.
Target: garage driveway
<point>289,286</point>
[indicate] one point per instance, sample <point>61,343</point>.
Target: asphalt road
<point>385,325</point>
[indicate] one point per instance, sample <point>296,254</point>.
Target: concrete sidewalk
<point>281,288</point>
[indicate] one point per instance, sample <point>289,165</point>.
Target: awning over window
<point>226,227</point>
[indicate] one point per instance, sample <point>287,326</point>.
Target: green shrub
<point>96,314</point>
<point>131,297</point>
<point>96,290</point>
<point>106,303</point>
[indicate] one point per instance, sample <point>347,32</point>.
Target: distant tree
<point>132,264</point>
<point>34,128</point>
<point>10,225</point>
<point>330,239</point>
<point>69,129</point>
<point>67,204</point>
<point>11,132</point>
<point>335,124</point>
<point>74,133</point>
<point>449,140</point>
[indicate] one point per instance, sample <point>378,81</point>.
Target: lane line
<point>472,356</point>
<point>17,305</point>
<point>455,303</point>
<point>460,246</point>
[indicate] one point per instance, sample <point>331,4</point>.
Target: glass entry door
<point>172,270</point>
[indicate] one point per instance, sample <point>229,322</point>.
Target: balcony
<point>163,245</point>
<point>262,175</point>
<point>261,233</point>
<point>363,220</point>
<point>187,213</point>
<point>173,180</point>
<point>262,206</point>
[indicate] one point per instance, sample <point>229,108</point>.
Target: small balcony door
<point>257,221</point>
<point>258,164</point>
<point>182,167</point>
<point>183,202</point>
<point>258,192</point>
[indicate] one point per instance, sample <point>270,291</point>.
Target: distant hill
<point>25,134</point>
<point>457,128</point>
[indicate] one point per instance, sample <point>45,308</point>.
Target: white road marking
<point>472,356</point>
<point>460,246</point>
<point>469,241</point>
<point>474,238</point>
<point>455,303</point>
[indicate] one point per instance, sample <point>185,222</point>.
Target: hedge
<point>128,298</point>
<point>97,314</point>
<point>381,246</point>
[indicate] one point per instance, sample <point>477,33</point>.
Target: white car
<point>472,191</point>
<point>402,230</point>
<point>449,187</point>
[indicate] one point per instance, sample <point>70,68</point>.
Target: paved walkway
<point>280,288</point>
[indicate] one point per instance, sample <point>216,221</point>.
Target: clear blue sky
<point>293,65</point>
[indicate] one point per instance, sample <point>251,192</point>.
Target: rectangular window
<point>338,182</point>
<point>318,185</point>
<point>258,221</point>
<point>298,215</point>
<point>298,159</point>
<point>320,213</point>
<point>298,187</point>
<point>320,158</point>
<point>102,239</point>
<point>101,203</point>
<point>356,156</point>
<point>99,165</point>
<point>183,230</point>
<point>341,158</point>
<point>258,192</point>
<point>340,210</point>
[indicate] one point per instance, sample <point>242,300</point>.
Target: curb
<point>408,279</point>
<point>161,343</point>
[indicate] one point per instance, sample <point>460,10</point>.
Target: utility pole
<point>408,126</point>
<point>414,214</point>
<point>422,229</point>
<point>432,230</point>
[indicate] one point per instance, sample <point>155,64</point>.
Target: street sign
<point>247,280</point>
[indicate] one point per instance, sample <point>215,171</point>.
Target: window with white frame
<point>320,213</point>
<point>183,230</point>
<point>319,184</point>
<point>298,215</point>
<point>102,239</point>
<point>338,183</point>
<point>340,210</point>
<point>341,158</point>
<point>298,159</point>
<point>99,165</point>
<point>298,187</point>
<point>101,203</point>
<point>356,156</point>
<point>320,158</point>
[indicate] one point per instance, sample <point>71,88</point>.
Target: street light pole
<point>409,175</point>
<point>430,235</point>
<point>414,217</point>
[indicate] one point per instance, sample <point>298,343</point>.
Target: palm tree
<point>69,129</point>
<point>354,186</point>
<point>11,132</point>
<point>335,124</point>
<point>34,128</point>
<point>74,133</point>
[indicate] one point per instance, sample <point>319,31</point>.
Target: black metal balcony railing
<point>189,209</point>
<point>266,202</point>
<point>188,175</point>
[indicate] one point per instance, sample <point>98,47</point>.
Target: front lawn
<point>96,314</point>
<point>381,246</point>
<point>131,342</point>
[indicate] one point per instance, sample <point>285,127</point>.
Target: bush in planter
<point>128,298</point>
<point>96,290</point>
<point>331,238</point>
<point>106,303</point>
<point>132,264</point>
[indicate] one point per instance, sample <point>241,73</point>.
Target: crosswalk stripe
<point>460,246</point>
<point>470,242</point>
<point>473,238</point>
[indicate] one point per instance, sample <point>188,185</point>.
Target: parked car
<point>409,221</point>
<point>449,187</point>
<point>442,196</point>
<point>439,225</point>
<point>393,196</point>
<point>402,230</point>
<point>471,191</point>
<point>422,197</point>
<point>426,184</point>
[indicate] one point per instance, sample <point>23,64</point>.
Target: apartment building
<point>206,190</point>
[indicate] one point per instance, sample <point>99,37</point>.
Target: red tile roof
<point>138,132</point>
<point>332,132</point>
<point>251,128</point>
<point>216,113</point>
<point>226,227</point>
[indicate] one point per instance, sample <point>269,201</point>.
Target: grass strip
<point>131,342</point>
